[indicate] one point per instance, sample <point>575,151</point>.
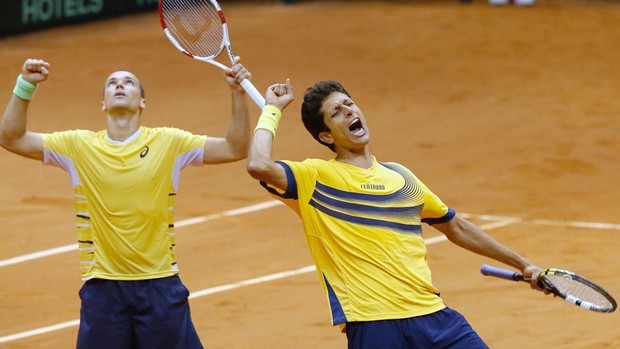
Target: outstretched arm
<point>234,145</point>
<point>469,236</point>
<point>14,135</point>
<point>260,162</point>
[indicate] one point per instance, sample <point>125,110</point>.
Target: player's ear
<point>142,103</point>
<point>102,106</point>
<point>326,137</point>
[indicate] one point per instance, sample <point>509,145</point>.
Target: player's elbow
<point>7,141</point>
<point>257,169</point>
<point>3,141</point>
<point>240,155</point>
<point>238,151</point>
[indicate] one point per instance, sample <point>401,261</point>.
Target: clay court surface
<point>511,115</point>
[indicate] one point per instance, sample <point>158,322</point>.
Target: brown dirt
<point>503,111</point>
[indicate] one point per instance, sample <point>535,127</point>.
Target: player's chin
<point>363,138</point>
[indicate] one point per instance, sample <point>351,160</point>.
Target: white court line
<point>197,294</point>
<point>39,331</point>
<point>40,254</point>
<point>258,280</point>
<point>590,225</point>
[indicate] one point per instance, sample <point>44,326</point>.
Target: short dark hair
<point>311,114</point>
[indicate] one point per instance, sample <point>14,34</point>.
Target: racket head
<point>195,27</point>
<point>577,289</point>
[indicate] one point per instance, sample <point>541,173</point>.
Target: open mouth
<point>356,127</point>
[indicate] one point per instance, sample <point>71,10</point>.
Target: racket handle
<point>488,270</point>
<point>256,96</point>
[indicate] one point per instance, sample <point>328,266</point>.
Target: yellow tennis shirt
<point>363,228</point>
<point>124,197</point>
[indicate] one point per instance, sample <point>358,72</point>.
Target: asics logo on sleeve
<point>144,152</point>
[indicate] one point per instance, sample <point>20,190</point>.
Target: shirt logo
<point>144,152</point>
<point>373,186</point>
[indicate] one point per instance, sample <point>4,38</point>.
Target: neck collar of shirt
<point>130,139</point>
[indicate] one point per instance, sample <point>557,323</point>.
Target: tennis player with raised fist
<point>363,223</point>
<point>132,296</point>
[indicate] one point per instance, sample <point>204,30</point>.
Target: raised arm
<point>234,145</point>
<point>14,134</point>
<point>469,236</point>
<point>260,162</point>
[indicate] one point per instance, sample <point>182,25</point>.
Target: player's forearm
<point>259,154</point>
<point>238,133</point>
<point>260,162</point>
<point>13,125</point>
<point>489,247</point>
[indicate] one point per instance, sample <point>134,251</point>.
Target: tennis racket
<point>198,29</point>
<point>566,284</point>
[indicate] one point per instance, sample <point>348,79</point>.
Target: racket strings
<point>577,289</point>
<point>195,25</point>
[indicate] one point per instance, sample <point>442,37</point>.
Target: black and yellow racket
<point>572,287</point>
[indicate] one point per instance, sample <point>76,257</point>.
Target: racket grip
<point>488,270</point>
<point>256,96</point>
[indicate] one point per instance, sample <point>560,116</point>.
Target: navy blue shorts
<point>136,314</point>
<point>441,330</point>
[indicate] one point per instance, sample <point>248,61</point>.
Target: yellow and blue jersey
<point>363,227</point>
<point>124,197</point>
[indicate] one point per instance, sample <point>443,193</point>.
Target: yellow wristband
<point>24,89</point>
<point>269,119</point>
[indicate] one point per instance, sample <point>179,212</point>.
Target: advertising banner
<point>19,16</point>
